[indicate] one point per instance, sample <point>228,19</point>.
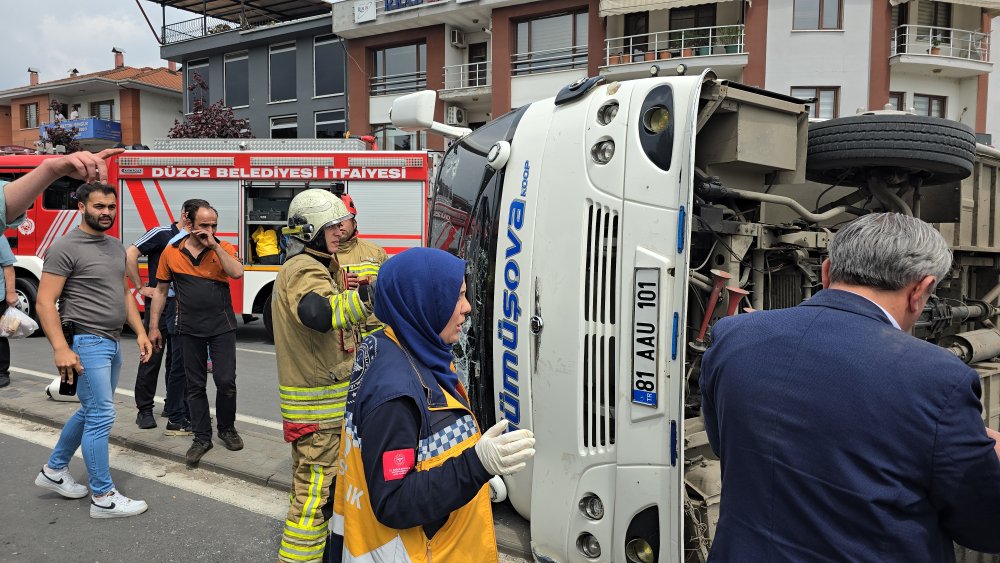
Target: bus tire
<point>843,150</point>
<point>266,314</point>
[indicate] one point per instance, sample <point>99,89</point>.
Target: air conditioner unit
<point>456,115</point>
<point>458,38</point>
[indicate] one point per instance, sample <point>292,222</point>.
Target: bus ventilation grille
<point>600,330</point>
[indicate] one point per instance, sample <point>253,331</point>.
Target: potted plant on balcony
<point>698,39</point>
<point>728,38</point>
<point>935,46</point>
<point>615,58</point>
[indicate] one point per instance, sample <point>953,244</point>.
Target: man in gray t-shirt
<point>87,269</point>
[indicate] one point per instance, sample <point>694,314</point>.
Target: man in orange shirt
<point>200,267</point>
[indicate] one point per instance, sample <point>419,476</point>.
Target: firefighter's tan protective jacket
<point>314,370</point>
<point>364,259</point>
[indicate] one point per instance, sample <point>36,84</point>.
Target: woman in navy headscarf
<point>414,466</point>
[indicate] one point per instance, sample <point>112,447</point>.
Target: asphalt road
<point>256,373</point>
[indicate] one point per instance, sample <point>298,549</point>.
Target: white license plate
<point>645,335</point>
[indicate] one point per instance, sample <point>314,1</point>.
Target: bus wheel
<point>267,319</point>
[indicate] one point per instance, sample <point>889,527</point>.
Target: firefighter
<point>359,261</point>
<point>311,308</point>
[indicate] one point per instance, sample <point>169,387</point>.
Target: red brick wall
<point>129,116</point>
<point>357,82</point>
<point>878,71</point>
<point>6,136</point>
<point>983,86</point>
<point>755,39</point>
<point>19,135</point>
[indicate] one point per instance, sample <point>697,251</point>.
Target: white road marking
<point>240,417</point>
<point>222,488</point>
<point>255,351</point>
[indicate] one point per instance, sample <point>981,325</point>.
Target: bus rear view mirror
<point>415,112</point>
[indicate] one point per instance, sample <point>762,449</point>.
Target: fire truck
<point>607,228</point>
<point>249,181</point>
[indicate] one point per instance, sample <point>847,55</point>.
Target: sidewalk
<point>265,459</point>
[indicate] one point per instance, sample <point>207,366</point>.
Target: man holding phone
<point>200,267</point>
<point>86,268</point>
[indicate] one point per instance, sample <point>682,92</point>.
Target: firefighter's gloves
<point>504,453</point>
<point>367,294</point>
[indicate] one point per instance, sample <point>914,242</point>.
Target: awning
<point>992,6</point>
<point>615,7</point>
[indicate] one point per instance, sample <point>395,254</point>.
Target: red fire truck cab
<point>251,189</point>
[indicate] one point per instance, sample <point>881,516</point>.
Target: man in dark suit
<point>841,436</point>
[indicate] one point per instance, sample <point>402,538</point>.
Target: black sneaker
<point>178,429</point>
<point>231,439</point>
<point>145,420</point>
<point>194,453</point>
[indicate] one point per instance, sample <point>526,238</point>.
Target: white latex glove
<point>503,454</point>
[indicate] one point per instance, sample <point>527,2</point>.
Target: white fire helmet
<point>312,211</point>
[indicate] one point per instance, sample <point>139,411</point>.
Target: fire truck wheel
<point>844,150</point>
<point>27,291</point>
<point>266,313</point>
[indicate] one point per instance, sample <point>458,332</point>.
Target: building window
<point>328,66</point>
<point>330,124</point>
<point>817,14</point>
<point>30,115</point>
<point>282,72</point>
<point>637,32</point>
<point>933,106</point>
<point>897,101</point>
<point>104,109</point>
<point>692,17</point>
<point>399,69</point>
<point>550,44</point>
<point>934,22</point>
<point>393,139</point>
<point>823,101</point>
<point>237,80</point>
<point>284,127</point>
<point>197,84</point>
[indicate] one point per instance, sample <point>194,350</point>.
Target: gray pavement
<point>265,459</point>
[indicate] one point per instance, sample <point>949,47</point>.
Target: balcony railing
<point>397,83</point>
<point>469,75</point>
<point>549,60</point>
<point>942,41</point>
<point>690,42</point>
<point>207,25</point>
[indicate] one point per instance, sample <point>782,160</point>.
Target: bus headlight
<point>588,545</point>
<point>606,114</point>
<point>592,507</point>
<point>656,119</point>
<point>603,151</point>
<point>638,550</point>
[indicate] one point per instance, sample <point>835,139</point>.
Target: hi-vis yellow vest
<point>467,536</point>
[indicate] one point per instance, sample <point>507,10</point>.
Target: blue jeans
<point>90,426</point>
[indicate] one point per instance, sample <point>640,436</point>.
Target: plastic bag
<point>15,324</point>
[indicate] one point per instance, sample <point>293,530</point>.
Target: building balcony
<point>719,47</point>
<point>467,82</point>
<point>364,18</point>
<point>93,132</point>
<point>397,84</point>
<point>946,52</point>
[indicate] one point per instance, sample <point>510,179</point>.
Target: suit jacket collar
<point>849,302</point>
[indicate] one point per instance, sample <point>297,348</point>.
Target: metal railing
<point>549,60</point>
<point>393,6</point>
<point>690,42</point>
<point>207,25</point>
<point>942,41</point>
<point>397,83</point>
<point>469,75</point>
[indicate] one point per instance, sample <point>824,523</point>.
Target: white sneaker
<point>61,482</point>
<point>116,505</point>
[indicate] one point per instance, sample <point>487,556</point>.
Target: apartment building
<point>488,56</point>
<point>123,104</point>
<point>276,63</point>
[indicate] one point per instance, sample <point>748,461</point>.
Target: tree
<point>215,121</point>
<point>56,135</point>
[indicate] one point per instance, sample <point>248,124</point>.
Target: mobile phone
<point>65,388</point>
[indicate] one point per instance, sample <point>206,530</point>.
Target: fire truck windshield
<point>464,221</point>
